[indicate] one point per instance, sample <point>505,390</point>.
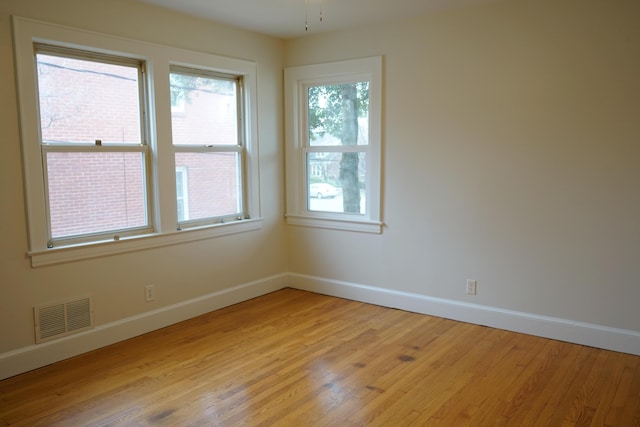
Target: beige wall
<point>181,272</point>
<point>511,151</point>
<point>511,155</point>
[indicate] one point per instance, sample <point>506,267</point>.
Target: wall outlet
<point>472,287</point>
<point>149,293</point>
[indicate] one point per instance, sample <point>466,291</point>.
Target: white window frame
<point>297,81</point>
<point>238,148</point>
<point>184,172</point>
<point>163,201</point>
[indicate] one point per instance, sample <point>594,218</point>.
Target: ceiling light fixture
<point>306,14</point>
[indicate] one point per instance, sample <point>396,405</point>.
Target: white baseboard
<point>622,340</point>
<point>38,355</point>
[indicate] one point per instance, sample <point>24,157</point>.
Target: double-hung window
<point>208,139</point>
<point>333,114</point>
<point>129,145</point>
<point>93,139</point>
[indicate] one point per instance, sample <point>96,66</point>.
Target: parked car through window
<point>322,190</point>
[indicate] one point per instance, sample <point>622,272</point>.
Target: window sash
<point>94,56</point>
<point>330,169</point>
<point>307,147</point>
<point>240,110</point>
<point>238,148</point>
<point>208,148</point>
<point>62,146</point>
<point>110,234</point>
<point>336,148</point>
<point>241,212</point>
<point>305,108</point>
<point>86,55</point>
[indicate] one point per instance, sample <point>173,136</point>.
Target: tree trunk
<point>349,162</point>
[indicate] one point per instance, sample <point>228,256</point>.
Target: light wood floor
<point>293,358</point>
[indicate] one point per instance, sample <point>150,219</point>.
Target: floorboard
<point>295,358</point>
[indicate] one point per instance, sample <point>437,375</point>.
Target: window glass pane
<point>95,192</point>
<point>82,101</point>
<point>182,191</point>
<point>204,110</point>
<point>210,185</point>
<point>338,114</point>
<point>336,182</point>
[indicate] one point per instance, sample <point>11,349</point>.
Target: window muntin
<point>209,146</point>
<point>91,136</point>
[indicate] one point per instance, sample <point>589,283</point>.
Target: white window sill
<point>361,226</point>
<point>99,249</point>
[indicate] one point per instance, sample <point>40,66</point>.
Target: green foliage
<point>184,86</point>
<point>326,107</point>
<point>316,180</point>
<point>335,110</point>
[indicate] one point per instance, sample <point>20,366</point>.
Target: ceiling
<point>286,18</point>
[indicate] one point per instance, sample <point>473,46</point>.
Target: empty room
<point>320,212</point>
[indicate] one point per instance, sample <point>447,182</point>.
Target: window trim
<point>79,252</point>
<point>158,59</point>
<point>297,80</point>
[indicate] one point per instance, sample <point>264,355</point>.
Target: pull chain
<point>306,14</point>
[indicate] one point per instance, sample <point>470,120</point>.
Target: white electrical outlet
<point>472,287</point>
<point>149,293</point>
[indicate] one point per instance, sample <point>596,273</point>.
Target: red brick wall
<point>80,106</point>
<point>93,192</point>
<point>212,180</point>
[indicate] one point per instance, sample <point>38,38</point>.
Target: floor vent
<point>63,318</point>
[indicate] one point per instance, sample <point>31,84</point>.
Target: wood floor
<point>293,358</point>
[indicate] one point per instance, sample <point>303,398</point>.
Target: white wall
<point>182,272</point>
<point>511,155</point>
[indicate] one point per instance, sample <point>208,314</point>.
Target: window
<point>333,114</point>
<point>92,137</point>
<point>129,145</point>
<point>208,142</point>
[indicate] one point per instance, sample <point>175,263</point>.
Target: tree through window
<point>101,163</point>
<point>338,115</point>
<point>333,159</point>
